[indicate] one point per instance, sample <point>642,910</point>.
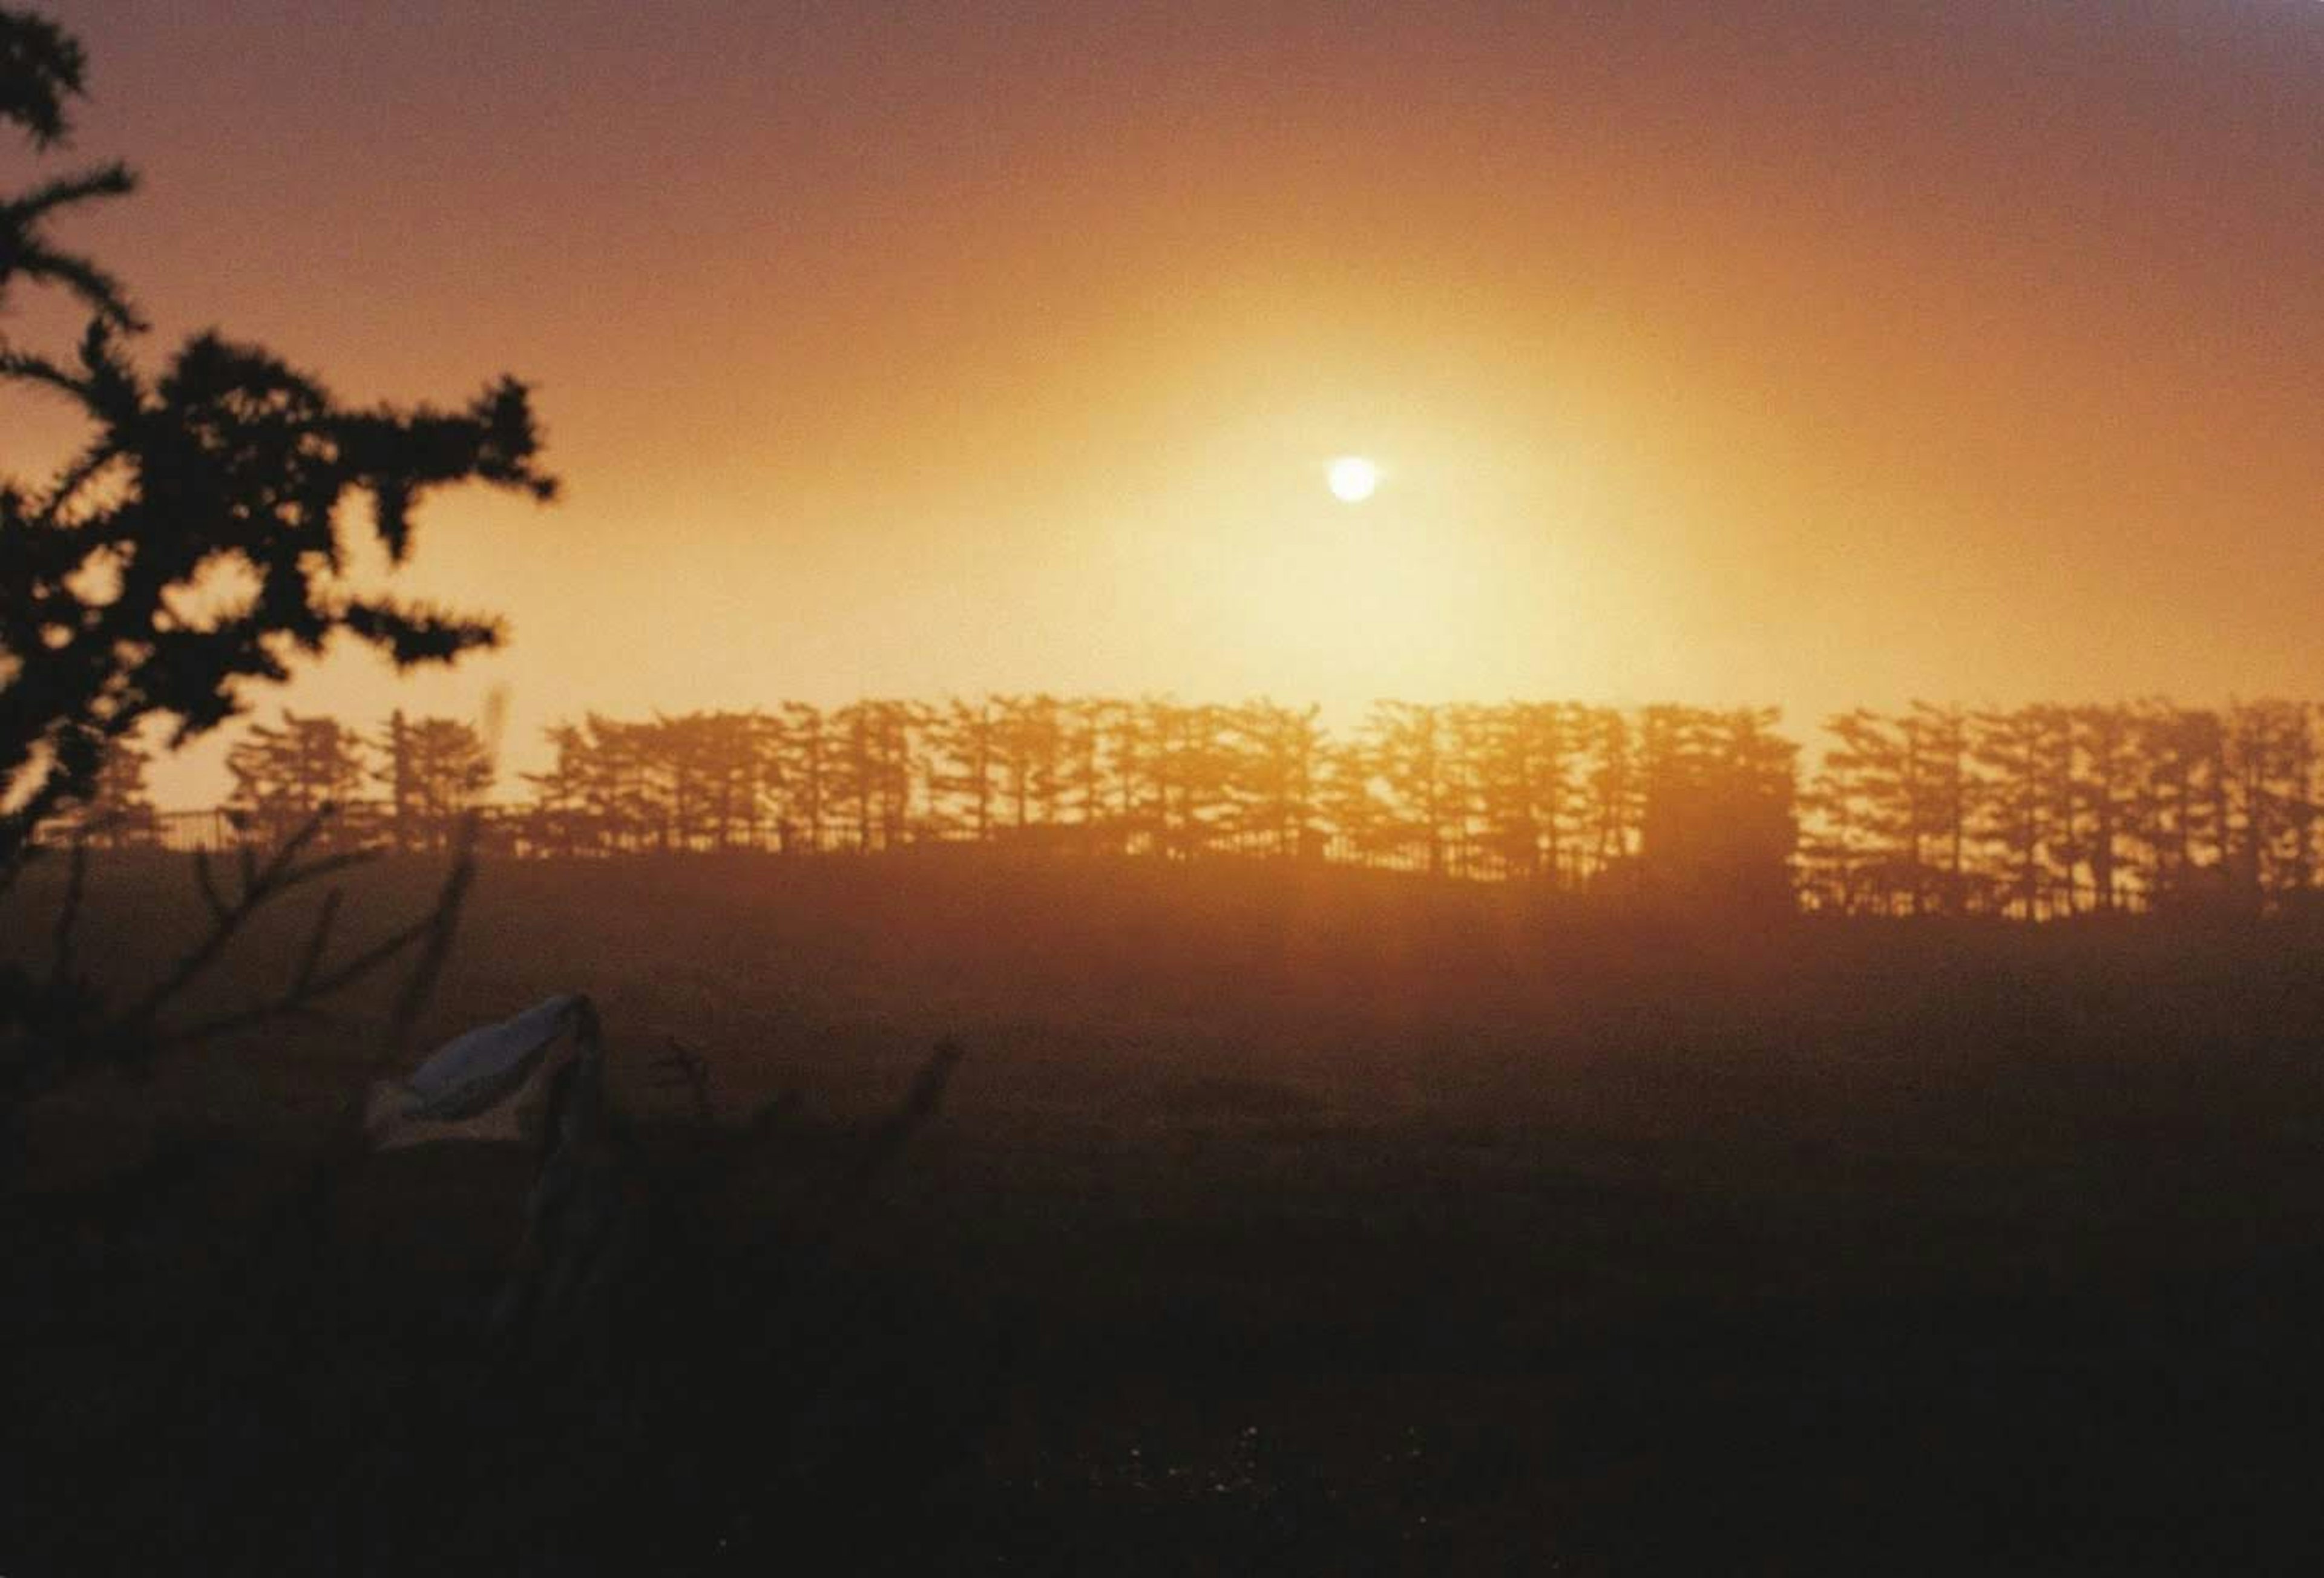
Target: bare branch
<point>438,928</point>
<point>260,885</point>
<point>312,984</point>
<point>919,1104</point>
<point>317,942</point>
<point>69,913</point>
<point>209,885</point>
<point>11,866</point>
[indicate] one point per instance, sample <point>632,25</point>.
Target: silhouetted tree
<point>2008,749</point>
<point>1834,846</point>
<point>803,743</point>
<point>565,817</point>
<point>622,794</point>
<point>964,770</point>
<point>2040,811</point>
<point>1719,822</point>
<point>1028,745</point>
<point>1089,731</point>
<point>228,466</point>
<point>2182,809</point>
<point>1524,754</point>
<point>903,786</point>
<point>119,812</point>
<point>1410,751</point>
<point>1613,794</point>
<point>396,775</point>
<point>882,766</point>
<point>2269,758</point>
<point>434,769</point>
<point>2157,810</point>
<point>2065,850</point>
<point>1189,766</point>
<point>1864,786</point>
<point>283,777</point>
<point>1941,787</point>
<point>736,762</point>
<point>1352,800</point>
<point>1275,766</point>
<point>2106,801</point>
<point>1136,791</point>
<point>41,71</point>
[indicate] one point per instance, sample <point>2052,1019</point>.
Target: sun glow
<point>1353,479</point>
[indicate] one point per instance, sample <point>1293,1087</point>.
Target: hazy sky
<point>1800,353</point>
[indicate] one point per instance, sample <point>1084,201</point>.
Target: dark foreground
<point>1276,1222</point>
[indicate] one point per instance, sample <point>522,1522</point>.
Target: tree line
<point>2034,813</point>
<point>1559,792</point>
<point>2044,812</point>
<point>406,786</point>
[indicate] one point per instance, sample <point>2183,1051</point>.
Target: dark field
<point>1278,1221</point>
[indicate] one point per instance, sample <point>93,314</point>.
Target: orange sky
<point>1812,354</point>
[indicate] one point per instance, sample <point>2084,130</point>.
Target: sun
<point>1353,479</point>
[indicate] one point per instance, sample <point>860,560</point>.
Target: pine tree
<point>435,770</point>
<point>1412,753</point>
<point>964,767</point>
<point>227,462</point>
<point>803,740</point>
<point>1943,789</point>
<point>561,819</point>
<point>285,776</point>
<point>1276,764</point>
<point>119,812</point>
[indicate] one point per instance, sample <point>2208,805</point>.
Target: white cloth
<point>490,1083</point>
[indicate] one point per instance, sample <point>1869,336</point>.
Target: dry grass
<point>1317,1223</point>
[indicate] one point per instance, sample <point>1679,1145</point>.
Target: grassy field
<point>1297,1220</point>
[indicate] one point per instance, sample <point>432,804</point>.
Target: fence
<point>524,832</point>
